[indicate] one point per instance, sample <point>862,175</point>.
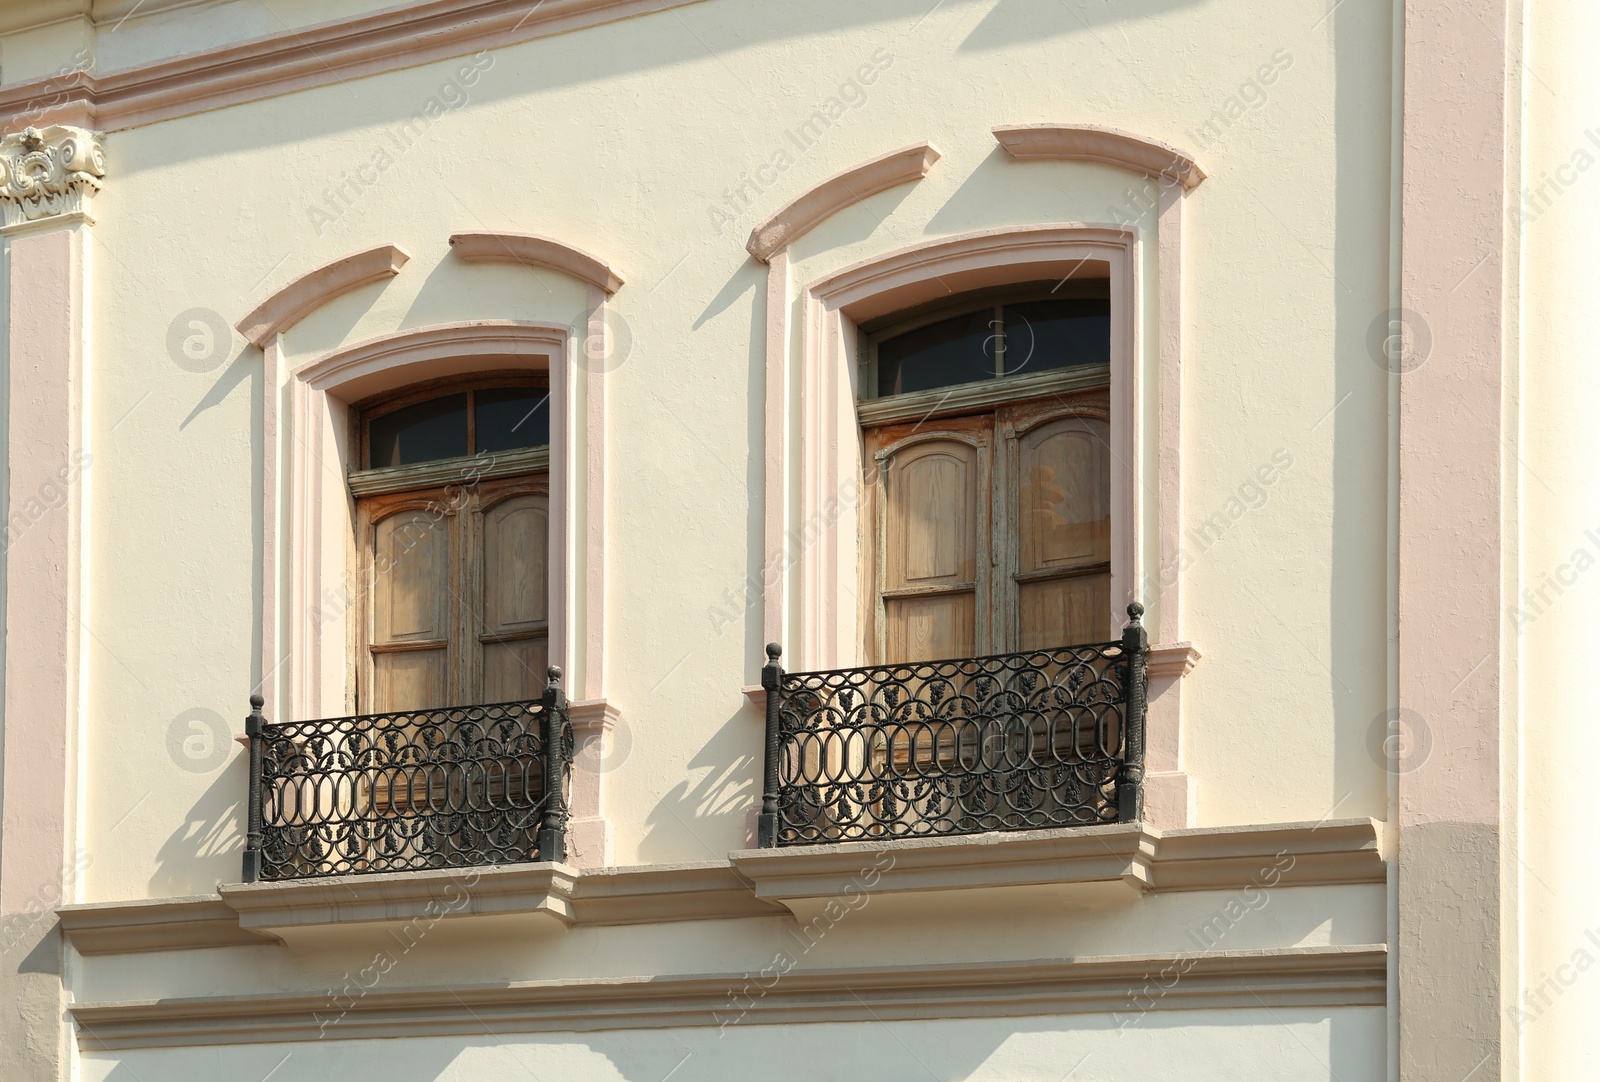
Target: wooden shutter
<point>1059,495</point>
<point>411,572</point>
<point>932,547</point>
<point>513,631</point>
<point>457,598</point>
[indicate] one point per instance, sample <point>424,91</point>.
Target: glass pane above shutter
<point>425,432</point>
<point>1044,335</point>
<point>943,354</point>
<point>512,418</point>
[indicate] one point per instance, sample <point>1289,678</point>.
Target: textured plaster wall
<point>1559,590</point>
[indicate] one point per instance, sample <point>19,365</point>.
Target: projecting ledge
<point>527,899</point>
<point>516,900</point>
<point>1077,867</point>
<point>1080,867</point>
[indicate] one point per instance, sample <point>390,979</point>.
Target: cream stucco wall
<point>585,138</point>
<point>1553,616</point>
<point>649,142</point>
<point>1292,1045</point>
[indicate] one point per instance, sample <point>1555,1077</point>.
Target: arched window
<point>452,533</point>
<point>986,444</point>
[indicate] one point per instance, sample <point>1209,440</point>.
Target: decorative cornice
<point>49,175</point>
<point>816,205</point>
<point>1286,977</point>
<point>1172,660</point>
<point>397,37</point>
<point>293,302</point>
<point>530,250</point>
<point>1110,146</point>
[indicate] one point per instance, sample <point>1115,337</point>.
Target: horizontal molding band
<point>1293,977</point>
<point>303,58</point>
<point>755,883</point>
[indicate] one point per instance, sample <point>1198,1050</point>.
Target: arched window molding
<point>293,302</point>
<point>307,654</point>
<point>594,357</point>
<point>813,451</point>
<point>1175,174</point>
<point>314,644</point>
<point>823,624</point>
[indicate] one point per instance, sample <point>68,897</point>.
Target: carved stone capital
<point>49,174</point>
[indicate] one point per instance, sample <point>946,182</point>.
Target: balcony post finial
<point>771,680</point>
<point>253,725</point>
<point>1130,779</point>
<point>556,737</point>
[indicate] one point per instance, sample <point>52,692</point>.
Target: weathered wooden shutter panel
<point>1062,496</point>
<point>514,630</point>
<point>933,506</point>
<point>412,612</point>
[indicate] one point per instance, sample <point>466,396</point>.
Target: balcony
<point>1027,741</point>
<point>454,787</point>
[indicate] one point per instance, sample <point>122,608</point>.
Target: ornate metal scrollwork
<point>446,788</point>
<point>1009,742</point>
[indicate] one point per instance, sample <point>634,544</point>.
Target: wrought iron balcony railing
<point>447,788</point>
<point>1044,738</point>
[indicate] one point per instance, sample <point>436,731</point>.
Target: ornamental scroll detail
<point>49,173</point>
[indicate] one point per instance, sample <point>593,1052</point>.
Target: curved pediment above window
<point>1092,143</point>
<point>293,302</point>
<point>814,206</point>
<point>530,250</point>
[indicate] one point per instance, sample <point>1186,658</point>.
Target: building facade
<point>1149,435</point>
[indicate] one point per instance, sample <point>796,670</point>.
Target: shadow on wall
<point>1022,22</point>
<point>208,846</point>
<point>666,39</point>
<point>717,811</point>
<point>1291,1042</point>
<point>304,1061</point>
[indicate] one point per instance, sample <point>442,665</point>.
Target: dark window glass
<point>943,354</point>
<point>425,432</point>
<point>1043,335</point>
<point>510,418</point>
